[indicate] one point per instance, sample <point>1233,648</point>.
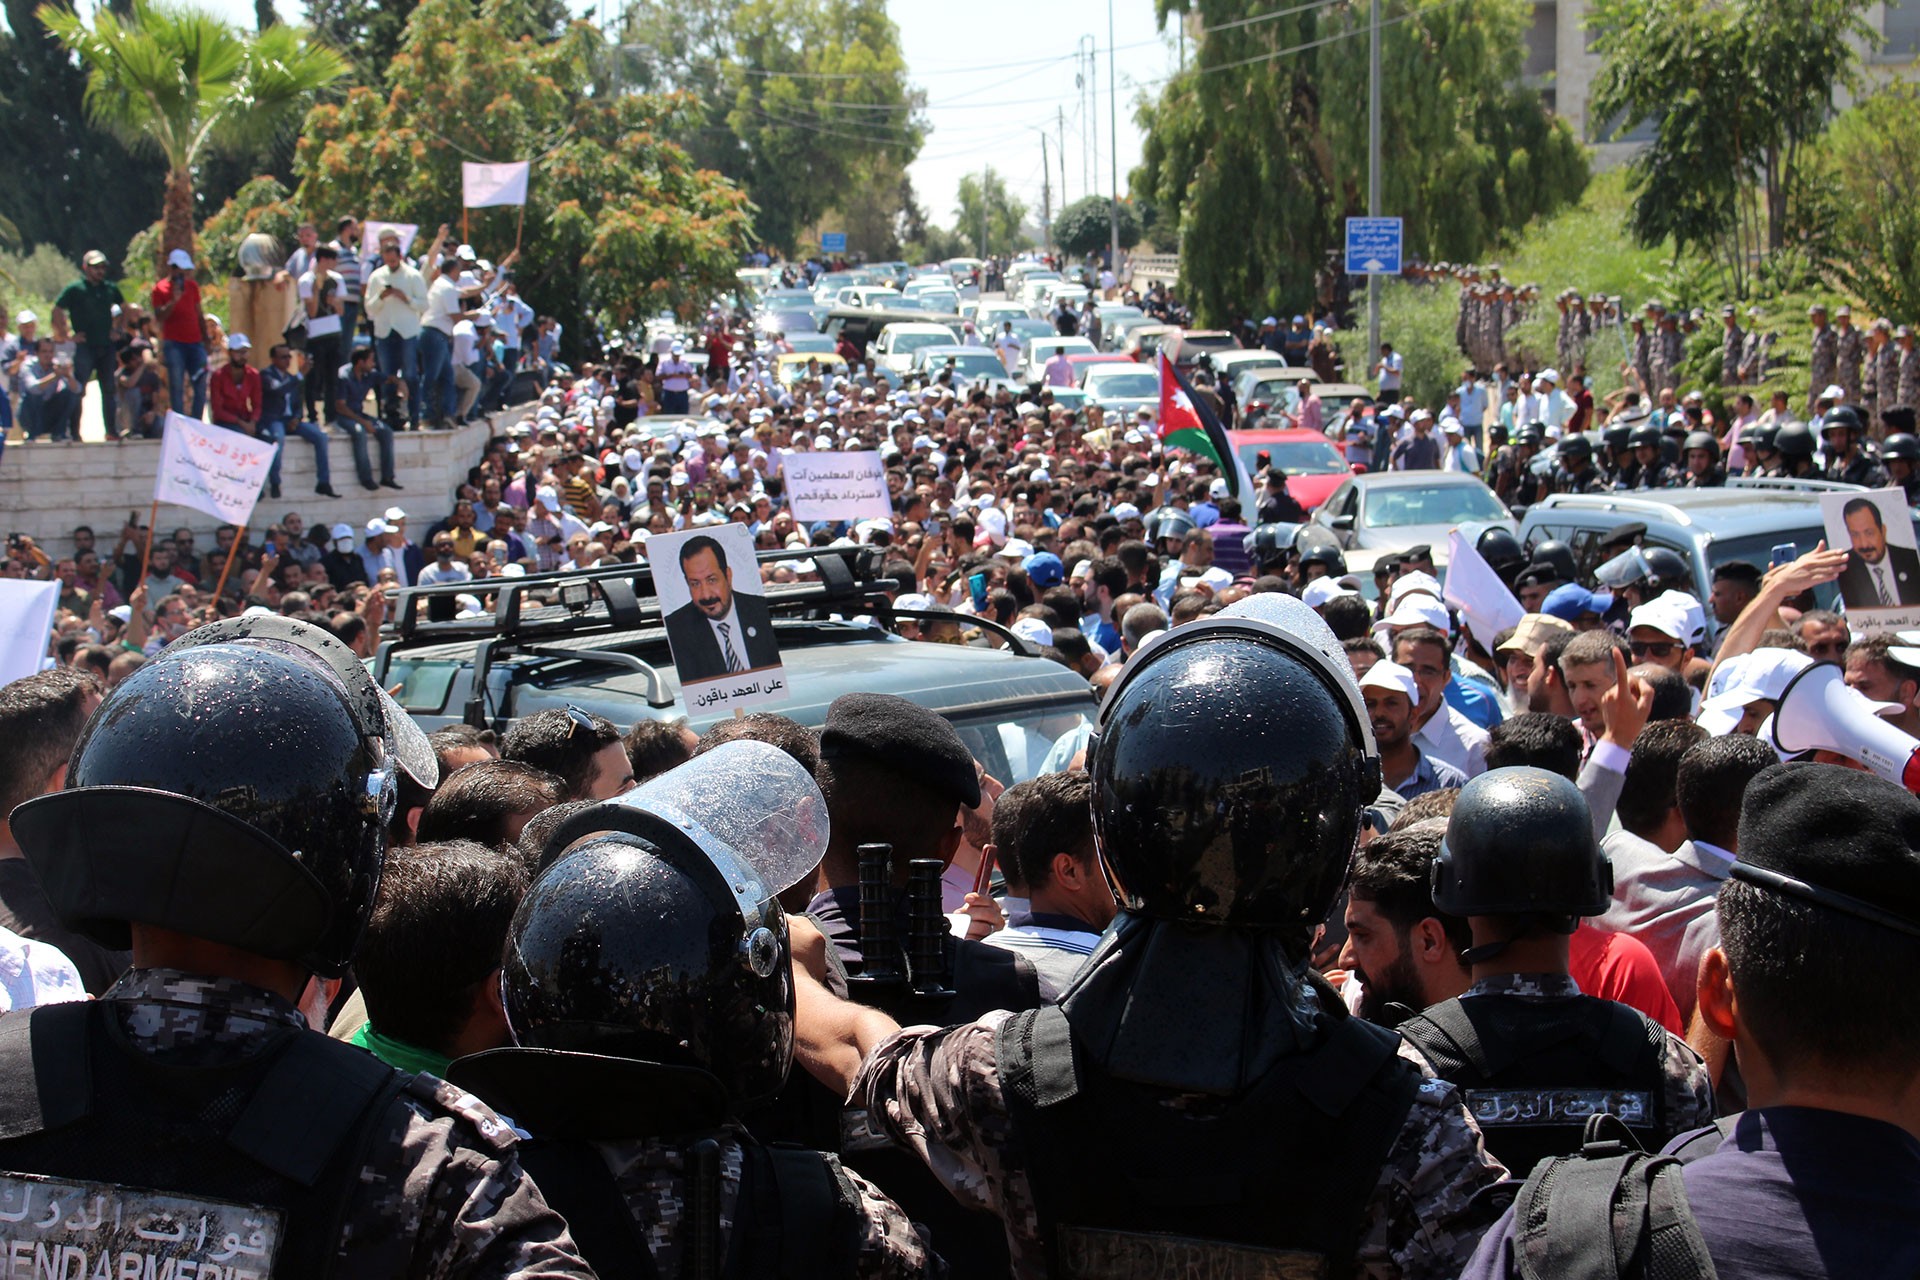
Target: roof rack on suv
<point>1791,484</point>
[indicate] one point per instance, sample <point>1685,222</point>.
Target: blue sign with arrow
<point>1373,246</point>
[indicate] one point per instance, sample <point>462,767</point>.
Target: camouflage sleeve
<point>1689,1088</point>
<point>1426,1214</point>
<point>444,1195</point>
<point>892,1247</point>
<point>936,1092</point>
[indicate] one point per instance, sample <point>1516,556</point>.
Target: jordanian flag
<point>1185,422</point>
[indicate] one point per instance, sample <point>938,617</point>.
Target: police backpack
<point>1611,1212</point>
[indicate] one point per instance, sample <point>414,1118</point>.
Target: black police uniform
<point>1634,476</point>
<point>1586,480</point>
<point>1860,469</point>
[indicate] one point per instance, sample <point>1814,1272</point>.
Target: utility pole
<point>1060,140</point>
<point>1113,147</point>
<point>984,171</point>
<point>1373,172</point>
<point>1089,49</point>
<point>1046,197</point>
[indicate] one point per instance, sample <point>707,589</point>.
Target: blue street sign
<point>1373,246</point>
<point>835,242</point>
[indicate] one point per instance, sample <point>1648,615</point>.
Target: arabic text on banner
<point>211,469</point>
<point>484,185</point>
<point>837,486</point>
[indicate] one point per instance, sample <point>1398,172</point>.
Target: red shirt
<point>1614,966</point>
<point>183,324</point>
<point>231,403</point>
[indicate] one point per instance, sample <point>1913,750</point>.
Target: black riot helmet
<point>1317,544</point>
<point>1645,434</point>
<point>1618,437</point>
<point>1795,440</point>
<point>1900,447</point>
<point>1168,523</point>
<point>657,936</point>
<point>1231,764</point>
<point>1765,437</point>
<point>1533,435</point>
<point>1702,440</point>
<point>1576,449</point>
<point>1520,843</point>
<point>236,789</point>
<point>1559,556</point>
<point>1666,568</point>
<point>1501,550</point>
<point>1267,543</point>
<point>1841,416</point>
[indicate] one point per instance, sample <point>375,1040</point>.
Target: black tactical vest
<point>1275,1182</point>
<point>797,1217</point>
<point>1532,1071</point>
<point>245,1168</point>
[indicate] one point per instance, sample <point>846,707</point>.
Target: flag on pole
<point>485,185</point>
<point>1476,591</point>
<point>370,234</point>
<point>1185,422</point>
<point>211,469</point>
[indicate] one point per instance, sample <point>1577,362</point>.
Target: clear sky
<point>994,72</point>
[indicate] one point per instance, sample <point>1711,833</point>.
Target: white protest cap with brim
<point>1392,677</point>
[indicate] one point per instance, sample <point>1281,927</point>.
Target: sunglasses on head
<point>580,719</point>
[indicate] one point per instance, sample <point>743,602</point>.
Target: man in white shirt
<point>511,316</point>
<point>1440,731</point>
<point>448,303</point>
<point>467,363</point>
<point>382,549</point>
<point>1007,344</point>
<point>395,295</point>
<point>322,301</point>
<point>1388,369</point>
<point>1457,455</point>
<point>676,379</point>
<point>445,567</point>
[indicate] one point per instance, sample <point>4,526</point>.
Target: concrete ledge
<point>47,489</point>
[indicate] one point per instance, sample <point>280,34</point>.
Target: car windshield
<point>815,342</point>
<point>1207,341</point>
<point>1390,508</point>
<point>788,322</point>
<point>1123,382</point>
<point>972,364</point>
<point>914,341</point>
<point>1296,457</point>
<point>1020,745</point>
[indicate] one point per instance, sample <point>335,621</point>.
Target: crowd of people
<point>1347,918</point>
<point>373,342</point>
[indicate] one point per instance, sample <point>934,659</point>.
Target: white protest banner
<point>837,486</point>
<point>485,185</point>
<point>1476,591</point>
<point>211,469</point>
<point>26,620</point>
<point>370,236</point>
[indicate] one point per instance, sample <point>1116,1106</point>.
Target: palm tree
<point>187,84</point>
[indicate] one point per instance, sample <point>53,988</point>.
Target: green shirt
<point>398,1053</point>
<point>89,309</point>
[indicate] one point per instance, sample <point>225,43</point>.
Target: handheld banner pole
<point>153,518</point>
<point>233,553</point>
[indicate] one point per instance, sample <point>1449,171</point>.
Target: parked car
<point>895,346</point>
<point>1314,467</point>
<point>1394,510</point>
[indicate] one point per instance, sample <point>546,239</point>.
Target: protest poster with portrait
<point>1881,583</point>
<point>714,608</point>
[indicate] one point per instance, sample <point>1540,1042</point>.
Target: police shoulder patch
<point>454,1101</point>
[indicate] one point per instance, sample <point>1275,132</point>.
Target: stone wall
<point>47,489</point>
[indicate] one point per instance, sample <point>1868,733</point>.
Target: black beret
<point>906,737</point>
<point>1838,837</point>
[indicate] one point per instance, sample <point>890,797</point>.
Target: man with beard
<point>1404,953</point>
<point>1391,695</point>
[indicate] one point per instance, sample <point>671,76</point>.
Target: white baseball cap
<point>180,258</point>
<point>239,342</point>
<point>26,317</point>
<point>1016,549</point>
<point>1392,677</point>
<point>1664,618</point>
<point>1034,630</point>
<point>377,526</point>
<point>1750,677</point>
<point>394,515</point>
<point>1418,611</point>
<point>340,531</point>
<point>1321,590</point>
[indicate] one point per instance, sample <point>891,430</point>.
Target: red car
<point>1314,465</point>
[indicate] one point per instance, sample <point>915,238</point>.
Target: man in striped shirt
<point>1058,902</point>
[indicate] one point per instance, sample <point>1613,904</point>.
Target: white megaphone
<point>1819,712</point>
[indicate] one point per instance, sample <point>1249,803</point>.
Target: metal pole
<point>984,171</point>
<point>1046,197</point>
<point>1060,138</point>
<point>1090,50</point>
<point>1373,173</point>
<point>1113,148</point>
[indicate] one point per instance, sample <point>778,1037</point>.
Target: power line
<point>1269,16</point>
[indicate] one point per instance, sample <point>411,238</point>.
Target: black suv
<point>593,639</point>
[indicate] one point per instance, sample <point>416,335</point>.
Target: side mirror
<point>1343,522</point>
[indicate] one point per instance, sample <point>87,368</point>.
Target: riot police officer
<point>1842,441</point>
<point>1530,483</point>
<point>1765,450</point>
<point>1616,442</point>
<point>1501,550</point>
<point>1317,553</point>
<point>1701,456</point>
<point>1576,472</point>
<point>226,815</point>
<point>1197,1050</point>
<point>1794,443</point>
<point>1646,470</point>
<point>1269,548</point>
<point>648,989</point>
<point>1534,1056</point>
<point>1901,455</point>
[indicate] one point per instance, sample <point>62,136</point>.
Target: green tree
<point>188,85</point>
<point>984,207</point>
<point>1257,150</point>
<point>1867,187</point>
<point>1083,226</point>
<point>74,187</point>
<point>1741,90</point>
<point>619,222</point>
<point>797,98</point>
<point>368,32</point>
